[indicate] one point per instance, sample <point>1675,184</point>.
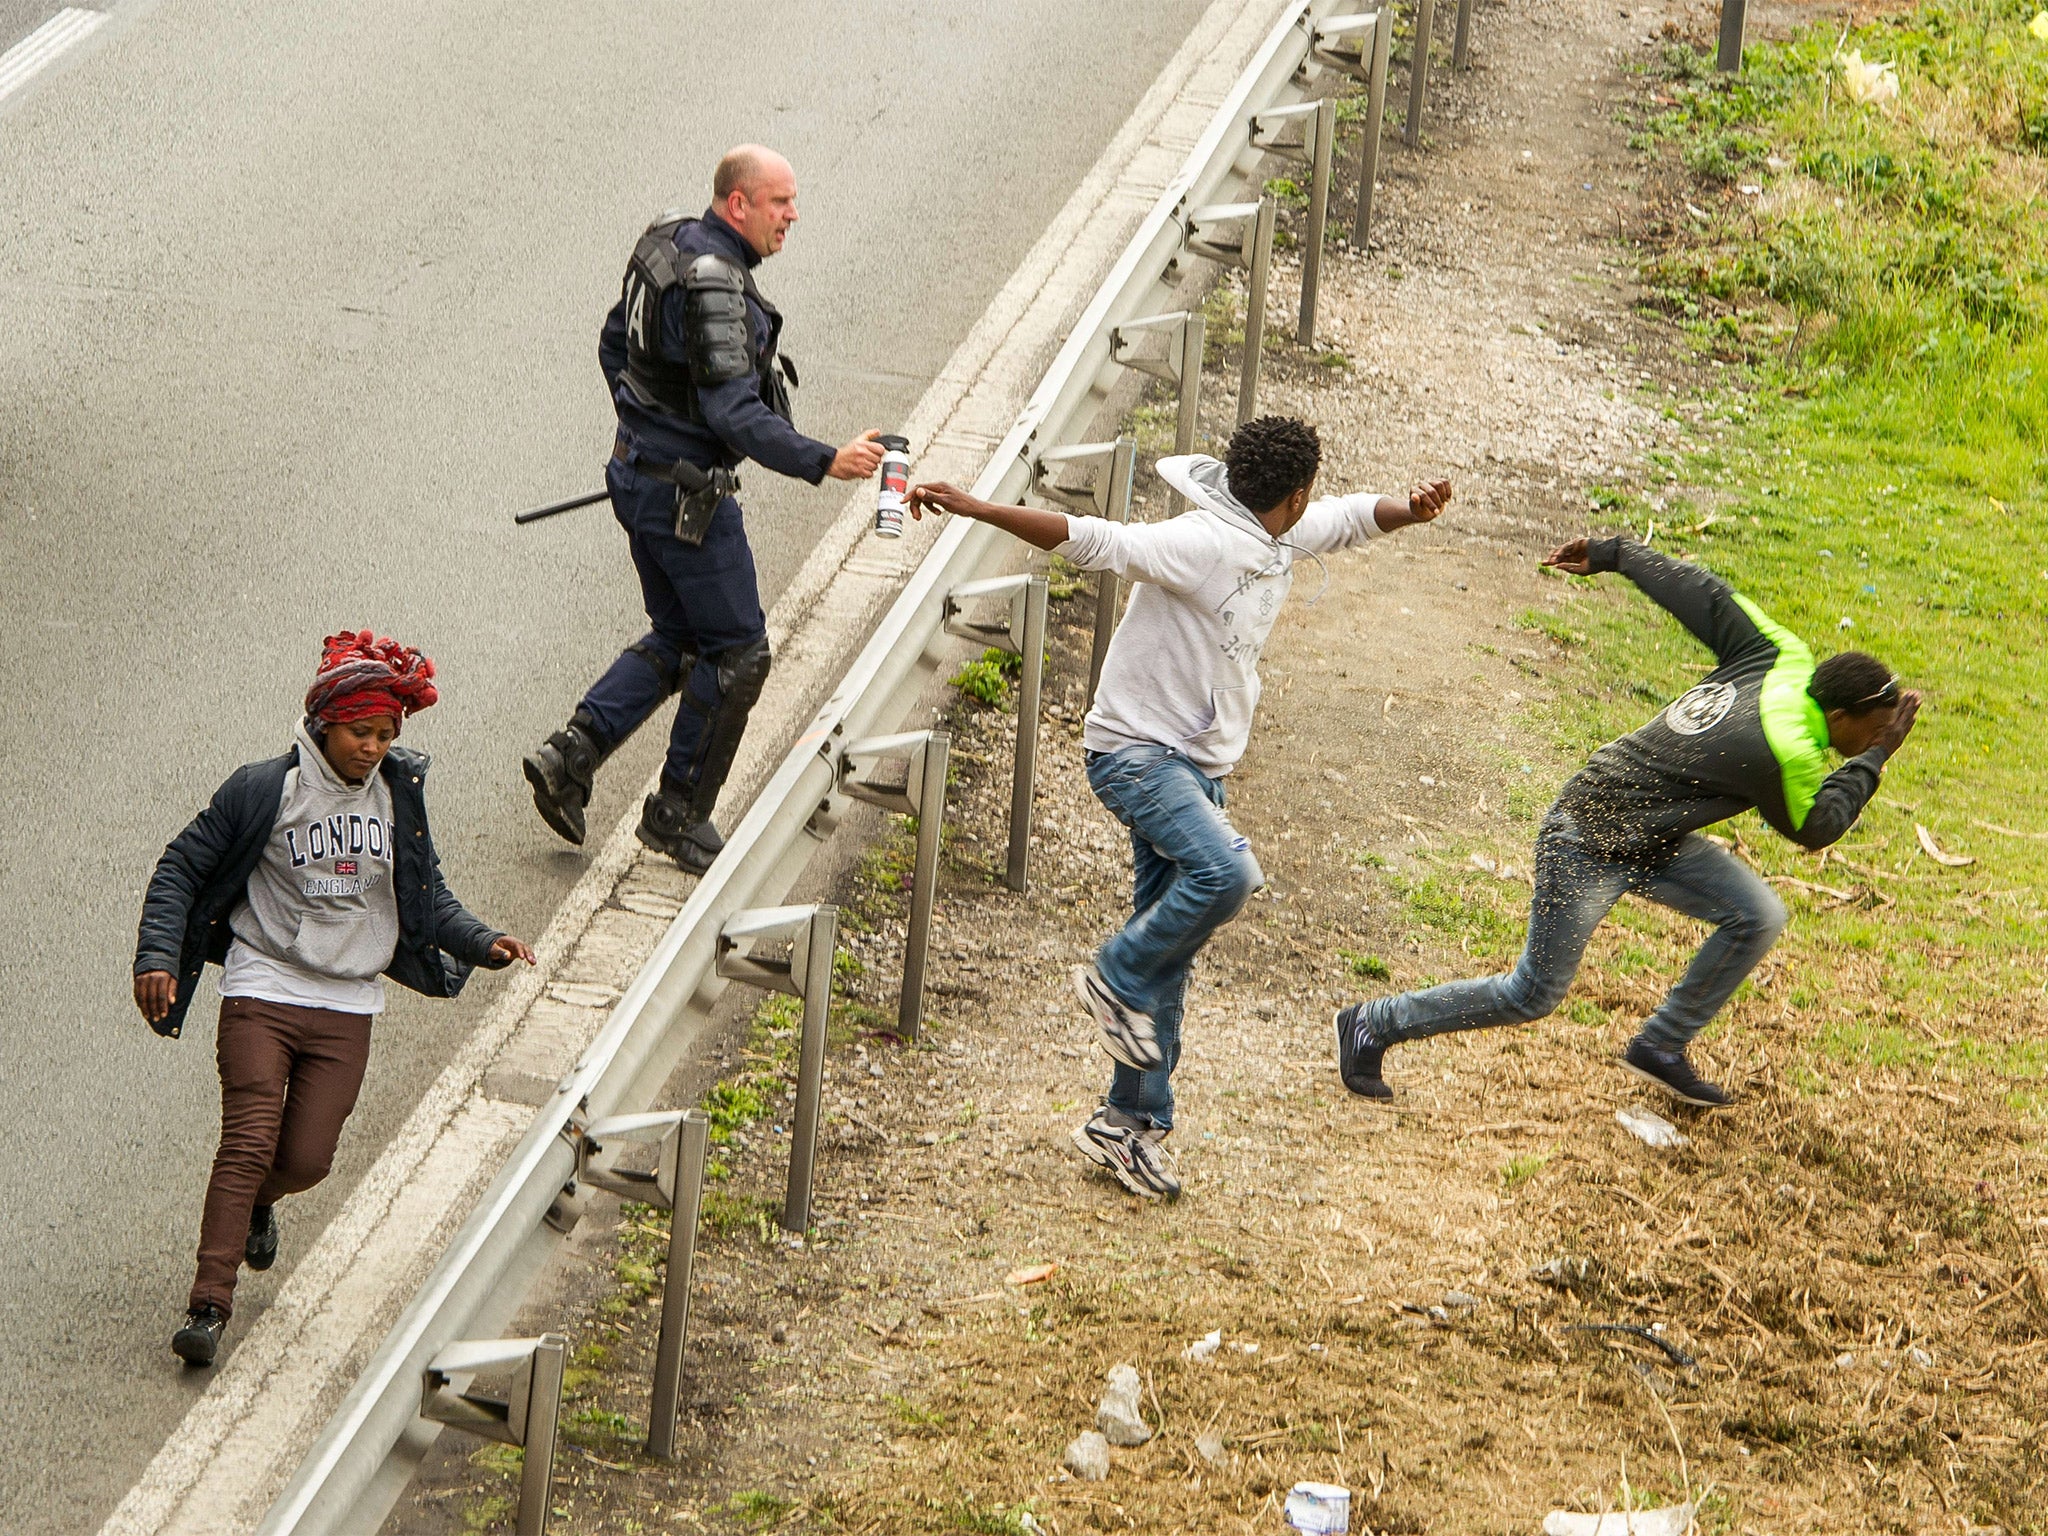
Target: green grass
<point>1520,1170</point>
<point>1365,967</point>
<point>986,679</point>
<point>1877,479</point>
<point>758,1509</point>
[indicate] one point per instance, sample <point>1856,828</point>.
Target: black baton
<point>570,505</point>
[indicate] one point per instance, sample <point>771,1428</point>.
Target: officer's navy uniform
<point>690,355</point>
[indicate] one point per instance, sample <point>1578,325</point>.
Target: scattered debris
<point>1210,1444</point>
<point>1460,1299</point>
<point>1933,850</point>
<point>1088,1457</point>
<point>1205,1347</point>
<point>1652,1335</point>
<point>1031,1274</point>
<point>1319,1508</point>
<point>1649,1127</point>
<point>1117,1416</point>
<point>1672,1520</point>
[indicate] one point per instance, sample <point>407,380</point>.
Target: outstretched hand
<point>938,496</point>
<point>859,458</point>
<point>1574,559</point>
<point>1428,498</point>
<point>506,949</point>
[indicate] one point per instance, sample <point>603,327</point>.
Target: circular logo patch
<point>1700,709</point>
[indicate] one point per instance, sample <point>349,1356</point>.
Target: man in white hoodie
<point>1170,720</point>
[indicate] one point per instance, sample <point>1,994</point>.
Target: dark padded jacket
<point>204,872</point>
<point>1748,735</point>
<point>738,421</point>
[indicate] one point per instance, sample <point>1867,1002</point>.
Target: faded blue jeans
<point>1191,873</point>
<point>1575,888</point>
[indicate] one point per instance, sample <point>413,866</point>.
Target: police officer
<point>690,354</point>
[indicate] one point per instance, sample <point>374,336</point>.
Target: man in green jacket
<point>1754,734</point>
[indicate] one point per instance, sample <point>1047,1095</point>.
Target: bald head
<point>744,167</point>
<point>754,190</point>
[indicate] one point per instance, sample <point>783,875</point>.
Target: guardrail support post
<point>1187,336</point>
<point>922,795</point>
<point>1375,119</point>
<point>1418,69</point>
<point>812,934</point>
<point>1023,634</point>
<point>675,1184</point>
<point>525,1416</point>
<point>1728,60</point>
<point>1253,252</point>
<point>1318,140</point>
<point>1461,48</point>
<point>1110,496</point>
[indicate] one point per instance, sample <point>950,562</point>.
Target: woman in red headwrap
<point>309,879</point>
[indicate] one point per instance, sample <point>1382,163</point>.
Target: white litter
<point>1204,1347</point>
<point>1118,1416</point>
<point>1672,1520</point>
<point>1088,1457</point>
<point>1321,1509</point>
<point>1650,1127</point>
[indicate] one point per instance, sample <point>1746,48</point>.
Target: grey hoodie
<point>1183,668</point>
<point>320,920</point>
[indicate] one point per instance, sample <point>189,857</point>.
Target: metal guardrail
<point>367,1445</point>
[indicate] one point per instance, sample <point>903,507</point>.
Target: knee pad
<point>743,671</point>
<point>670,671</point>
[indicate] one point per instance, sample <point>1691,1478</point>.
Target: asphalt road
<point>297,305</point>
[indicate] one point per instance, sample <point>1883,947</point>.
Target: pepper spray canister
<point>890,500</point>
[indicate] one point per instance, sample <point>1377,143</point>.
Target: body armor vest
<point>718,330</point>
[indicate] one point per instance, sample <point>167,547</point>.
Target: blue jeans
<point>702,602</point>
<point>1191,873</point>
<point>1575,889</point>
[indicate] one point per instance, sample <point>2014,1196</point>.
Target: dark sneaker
<point>199,1340</point>
<point>260,1251</point>
<point>1126,1033</point>
<point>667,826</point>
<point>1359,1053</point>
<point>1134,1156</point>
<point>561,772</point>
<point>1670,1071</point>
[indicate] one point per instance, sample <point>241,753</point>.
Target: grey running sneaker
<point>1126,1033</point>
<point>199,1340</point>
<point>259,1250</point>
<point>1670,1071</point>
<point>1133,1155</point>
<point>1359,1053</point>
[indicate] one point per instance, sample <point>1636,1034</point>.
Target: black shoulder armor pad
<point>720,330</point>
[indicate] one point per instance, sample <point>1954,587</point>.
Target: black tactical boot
<point>561,773</point>
<point>260,1250</point>
<point>671,823</point>
<point>199,1340</point>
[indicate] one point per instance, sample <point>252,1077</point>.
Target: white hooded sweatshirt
<point>1183,667</point>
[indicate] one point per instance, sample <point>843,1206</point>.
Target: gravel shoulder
<point>1482,1303</point>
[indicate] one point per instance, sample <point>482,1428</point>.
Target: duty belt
<point>699,491</point>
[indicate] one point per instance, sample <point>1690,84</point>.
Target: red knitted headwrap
<point>362,675</point>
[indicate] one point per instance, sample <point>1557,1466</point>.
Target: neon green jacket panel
<point>1748,735</point>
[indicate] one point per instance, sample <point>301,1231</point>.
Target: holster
<point>698,492</point>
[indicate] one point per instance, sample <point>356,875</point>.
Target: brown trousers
<point>288,1079</point>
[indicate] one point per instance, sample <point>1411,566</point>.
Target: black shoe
<point>668,824</point>
<point>199,1340</point>
<point>260,1251</point>
<point>561,772</point>
<point>1670,1071</point>
<point>1359,1053</point>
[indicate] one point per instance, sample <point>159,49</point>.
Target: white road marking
<point>41,48</point>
